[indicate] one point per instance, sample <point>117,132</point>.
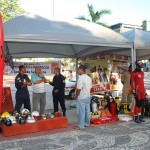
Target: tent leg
<point>133,56</point>
<point>132,59</point>
<point>76,68</point>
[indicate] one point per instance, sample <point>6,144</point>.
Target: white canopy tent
<point>33,36</point>
<point>141,43</point>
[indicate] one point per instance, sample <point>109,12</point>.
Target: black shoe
<point>141,119</point>
<point>136,119</point>
<point>64,113</point>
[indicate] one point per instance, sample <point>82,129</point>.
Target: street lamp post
<point>53,8</point>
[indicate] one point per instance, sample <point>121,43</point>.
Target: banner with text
<point>47,68</point>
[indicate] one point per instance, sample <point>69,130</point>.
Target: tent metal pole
<point>76,68</point>
<point>133,56</point>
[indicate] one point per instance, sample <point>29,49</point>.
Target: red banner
<point>1,60</point>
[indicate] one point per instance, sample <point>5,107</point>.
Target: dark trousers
<point>59,97</point>
<point>20,102</point>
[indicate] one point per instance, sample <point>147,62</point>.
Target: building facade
<point>121,27</point>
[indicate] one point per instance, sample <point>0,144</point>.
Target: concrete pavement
<point>120,136</point>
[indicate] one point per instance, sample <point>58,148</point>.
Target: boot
<point>128,108</point>
<point>64,113</point>
<point>120,109</point>
<point>141,119</point>
<point>125,109</point>
<point>136,119</point>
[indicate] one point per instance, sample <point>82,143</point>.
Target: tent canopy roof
<point>141,40</point>
<point>33,36</point>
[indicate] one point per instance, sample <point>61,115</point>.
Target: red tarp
<point>1,60</point>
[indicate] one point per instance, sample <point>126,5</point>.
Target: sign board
<point>103,69</point>
<point>47,68</point>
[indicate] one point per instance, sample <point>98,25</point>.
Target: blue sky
<point>125,11</point>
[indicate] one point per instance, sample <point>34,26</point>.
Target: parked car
<point>70,88</point>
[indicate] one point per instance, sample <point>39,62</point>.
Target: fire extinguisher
<point>112,104</point>
<point>113,108</point>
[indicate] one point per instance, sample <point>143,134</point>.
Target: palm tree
<point>95,16</point>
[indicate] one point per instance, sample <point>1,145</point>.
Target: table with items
<point>26,122</point>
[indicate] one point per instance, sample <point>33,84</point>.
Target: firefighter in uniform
<point>138,88</point>
<point>58,91</point>
<point>126,96</point>
<point>22,93</point>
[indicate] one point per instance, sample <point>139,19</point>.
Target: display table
<point>39,125</point>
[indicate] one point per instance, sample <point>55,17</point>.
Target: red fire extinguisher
<point>113,108</point>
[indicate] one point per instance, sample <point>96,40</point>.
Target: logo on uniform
<point>139,76</point>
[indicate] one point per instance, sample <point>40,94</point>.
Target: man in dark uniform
<point>22,93</point>
<point>58,91</point>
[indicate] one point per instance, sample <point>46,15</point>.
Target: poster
<point>53,66</point>
<point>98,69</point>
<point>119,65</point>
<point>105,71</point>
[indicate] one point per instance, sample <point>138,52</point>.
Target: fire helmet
<point>5,115</point>
<point>35,114</point>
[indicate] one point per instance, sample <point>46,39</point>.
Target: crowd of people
<point>38,81</point>
<point>132,81</point>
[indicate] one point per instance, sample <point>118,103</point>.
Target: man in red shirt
<point>138,88</point>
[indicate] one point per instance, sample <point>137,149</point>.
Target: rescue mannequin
<point>138,89</point>
<point>126,96</point>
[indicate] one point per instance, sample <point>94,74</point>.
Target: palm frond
<point>82,18</point>
<point>103,12</point>
<point>103,24</point>
<point>91,12</point>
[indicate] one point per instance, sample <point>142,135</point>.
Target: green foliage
<point>83,18</point>
<point>67,61</point>
<point>35,59</point>
<point>95,16</point>
<point>10,9</point>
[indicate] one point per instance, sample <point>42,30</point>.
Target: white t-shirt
<point>85,84</point>
<point>37,88</point>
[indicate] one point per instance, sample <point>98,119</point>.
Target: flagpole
<point>53,9</point>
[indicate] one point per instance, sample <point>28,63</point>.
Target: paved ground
<point>120,136</point>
